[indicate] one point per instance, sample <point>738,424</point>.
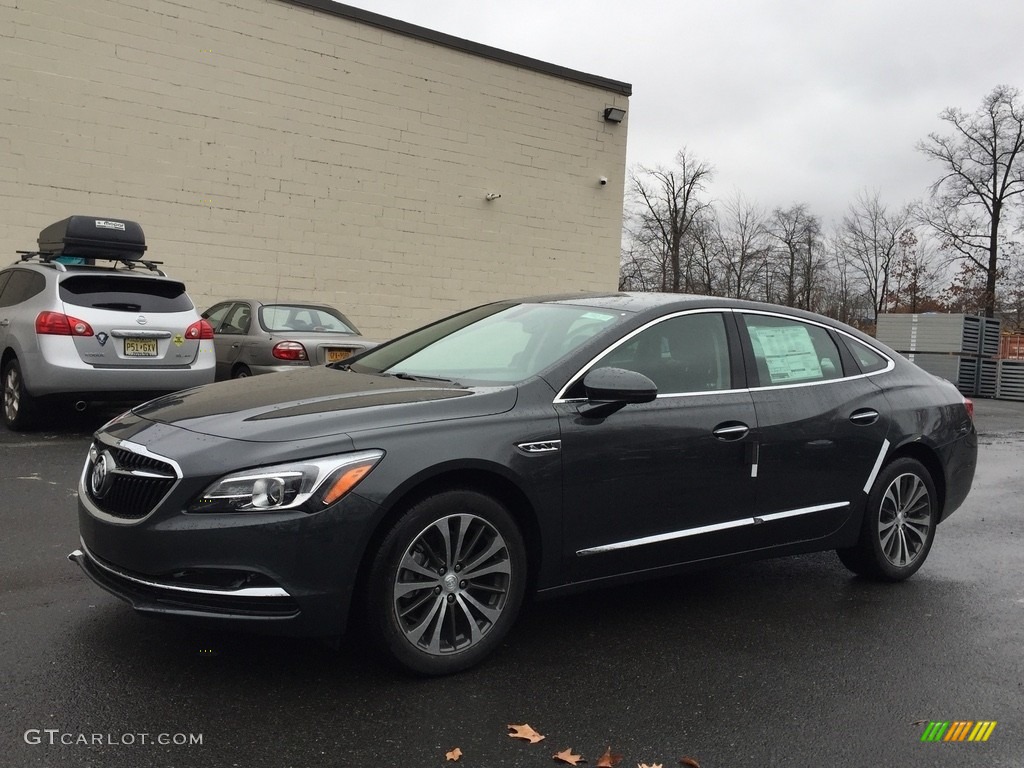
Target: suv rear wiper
<point>118,305</point>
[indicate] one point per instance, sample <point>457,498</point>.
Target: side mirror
<point>609,389</point>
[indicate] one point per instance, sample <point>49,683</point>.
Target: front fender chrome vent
<point>545,446</point>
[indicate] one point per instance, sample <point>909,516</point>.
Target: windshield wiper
<point>410,377</point>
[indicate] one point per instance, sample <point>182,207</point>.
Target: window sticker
<point>789,353</point>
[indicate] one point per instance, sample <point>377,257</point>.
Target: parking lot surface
<point>791,662</point>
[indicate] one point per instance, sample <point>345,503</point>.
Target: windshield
<point>497,343</point>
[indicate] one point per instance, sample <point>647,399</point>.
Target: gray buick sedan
<point>536,446</point>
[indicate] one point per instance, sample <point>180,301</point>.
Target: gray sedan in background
<point>252,337</point>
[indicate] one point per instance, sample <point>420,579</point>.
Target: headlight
<point>311,485</point>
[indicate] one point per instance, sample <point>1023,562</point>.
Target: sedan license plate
<point>140,347</point>
<point>334,355</point>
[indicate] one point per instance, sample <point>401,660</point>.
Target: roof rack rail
<point>62,260</point>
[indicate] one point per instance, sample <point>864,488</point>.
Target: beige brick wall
<point>272,150</point>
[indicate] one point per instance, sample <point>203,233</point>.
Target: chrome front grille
<point>124,482</point>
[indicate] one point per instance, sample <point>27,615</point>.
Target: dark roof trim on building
<point>458,43</point>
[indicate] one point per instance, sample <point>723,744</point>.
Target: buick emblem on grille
<point>102,476</point>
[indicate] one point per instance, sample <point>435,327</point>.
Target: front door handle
<point>731,430</point>
<point>864,417</point>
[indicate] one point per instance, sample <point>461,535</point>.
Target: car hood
<point>319,402</point>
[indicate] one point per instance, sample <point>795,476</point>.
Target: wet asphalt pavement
<point>790,662</point>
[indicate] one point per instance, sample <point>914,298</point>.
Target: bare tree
<point>744,246</point>
<point>871,238</point>
<point>667,203</point>
<point>914,276</point>
<point>800,260</point>
<point>983,163</point>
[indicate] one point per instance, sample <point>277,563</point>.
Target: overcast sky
<point>791,101</point>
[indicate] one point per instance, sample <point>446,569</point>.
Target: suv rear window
<point>127,294</point>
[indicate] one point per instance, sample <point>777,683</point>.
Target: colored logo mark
<point>959,730</point>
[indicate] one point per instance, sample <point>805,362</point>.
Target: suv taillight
<point>289,350</point>
<point>57,324</point>
<point>200,329</point>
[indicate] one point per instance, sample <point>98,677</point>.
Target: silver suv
<point>86,318</point>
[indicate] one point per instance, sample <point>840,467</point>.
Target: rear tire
<point>899,524</point>
<point>18,405</point>
<point>447,583</point>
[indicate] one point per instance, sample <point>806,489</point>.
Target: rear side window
<point>868,360</point>
<point>791,352</point>
<point>125,294</point>
<point>21,286</point>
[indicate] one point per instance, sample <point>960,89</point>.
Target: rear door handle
<point>864,417</point>
<point>731,430</point>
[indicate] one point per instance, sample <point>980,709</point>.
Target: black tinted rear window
<point>126,294</point>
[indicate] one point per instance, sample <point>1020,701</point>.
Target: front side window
<point>687,353</point>
<point>789,351</point>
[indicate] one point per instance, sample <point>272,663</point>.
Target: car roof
<point>658,303</point>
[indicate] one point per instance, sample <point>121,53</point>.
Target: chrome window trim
<point>131,447</point>
<point>244,592</point>
<point>561,399</point>
<point>700,530</point>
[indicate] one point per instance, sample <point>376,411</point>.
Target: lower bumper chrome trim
<point>80,555</point>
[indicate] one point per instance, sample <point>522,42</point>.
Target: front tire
<point>899,523</point>
<point>18,405</point>
<point>447,583</point>
<point>241,371</point>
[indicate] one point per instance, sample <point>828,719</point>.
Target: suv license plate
<point>140,347</point>
<point>334,355</point>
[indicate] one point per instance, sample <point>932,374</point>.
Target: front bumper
<point>285,573</point>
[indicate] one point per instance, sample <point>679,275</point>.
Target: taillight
<point>57,324</point>
<point>969,407</point>
<point>200,329</point>
<point>289,350</point>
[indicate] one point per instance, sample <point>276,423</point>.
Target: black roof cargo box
<point>90,237</point>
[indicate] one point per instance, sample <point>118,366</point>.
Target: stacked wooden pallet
<point>960,348</point>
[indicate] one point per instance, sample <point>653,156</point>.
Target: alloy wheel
<point>12,394</point>
<point>904,520</point>
<point>452,584</point>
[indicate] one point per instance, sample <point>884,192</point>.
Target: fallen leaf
<point>608,760</point>
<point>689,761</point>
<point>566,756</point>
<point>454,755</point>
<point>645,765</point>
<point>919,722</point>
<point>524,731</point>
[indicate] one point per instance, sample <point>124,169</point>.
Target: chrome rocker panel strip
<point>672,536</point>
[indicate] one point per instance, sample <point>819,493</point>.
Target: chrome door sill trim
<point>672,536</point>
